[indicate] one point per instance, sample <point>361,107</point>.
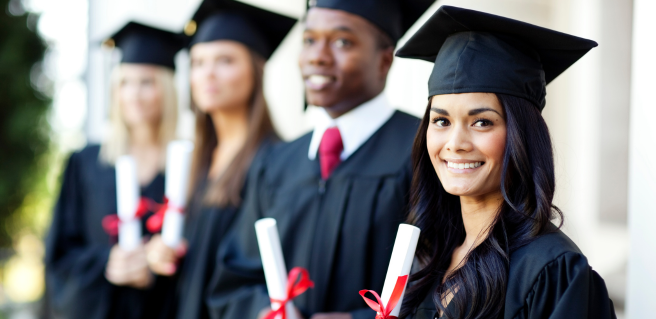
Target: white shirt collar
<point>356,126</point>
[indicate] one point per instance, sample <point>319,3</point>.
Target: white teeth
<point>319,79</point>
<point>463,165</point>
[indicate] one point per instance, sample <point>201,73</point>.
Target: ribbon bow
<point>110,223</point>
<point>298,282</point>
<point>382,311</point>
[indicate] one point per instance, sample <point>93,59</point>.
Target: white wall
<point>642,166</point>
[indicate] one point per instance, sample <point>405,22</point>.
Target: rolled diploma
<point>127,200</point>
<point>402,255</point>
<point>275,271</point>
<point>178,165</point>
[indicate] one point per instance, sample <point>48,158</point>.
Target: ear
<point>386,59</point>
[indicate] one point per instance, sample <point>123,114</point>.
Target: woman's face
<point>466,139</point>
<point>221,75</point>
<point>140,96</point>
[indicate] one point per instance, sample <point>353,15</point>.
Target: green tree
<point>24,128</point>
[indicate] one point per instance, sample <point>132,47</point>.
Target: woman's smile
<point>458,166</point>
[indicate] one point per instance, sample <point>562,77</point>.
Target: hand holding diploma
<point>128,268</point>
<point>397,274</point>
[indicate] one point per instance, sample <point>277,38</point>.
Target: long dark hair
<point>527,184</point>
<point>226,191</point>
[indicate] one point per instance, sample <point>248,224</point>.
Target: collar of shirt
<point>355,127</point>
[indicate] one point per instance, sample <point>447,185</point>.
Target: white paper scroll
<point>178,166</point>
<point>401,262</point>
<point>275,271</point>
<point>127,200</point>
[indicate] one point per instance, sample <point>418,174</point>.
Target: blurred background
<point>54,80</point>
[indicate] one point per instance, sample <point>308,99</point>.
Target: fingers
<point>162,259</point>
<point>128,268</point>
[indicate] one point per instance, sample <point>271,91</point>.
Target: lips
<point>318,82</point>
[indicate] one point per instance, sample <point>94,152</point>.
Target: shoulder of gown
<point>550,275</point>
<point>392,144</point>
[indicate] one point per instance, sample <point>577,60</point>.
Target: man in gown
<point>339,192</point>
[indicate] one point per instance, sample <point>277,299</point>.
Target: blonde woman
<point>89,275</point>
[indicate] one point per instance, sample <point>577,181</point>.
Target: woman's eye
<point>225,59</point>
<point>482,123</point>
<point>342,43</point>
<point>440,121</point>
<point>308,41</point>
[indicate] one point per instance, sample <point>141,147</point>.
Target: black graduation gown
<point>548,278</point>
<point>77,247</point>
<point>342,229</point>
<point>205,228</point>
<point>204,231</point>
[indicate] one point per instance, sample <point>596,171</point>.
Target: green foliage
<point>24,129</point>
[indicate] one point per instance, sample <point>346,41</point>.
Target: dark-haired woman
<point>233,128</point>
<point>484,176</point>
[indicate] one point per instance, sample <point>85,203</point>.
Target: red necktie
<point>330,149</point>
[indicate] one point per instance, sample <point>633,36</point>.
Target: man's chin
<point>322,100</point>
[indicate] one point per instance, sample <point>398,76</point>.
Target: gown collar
<point>356,126</point>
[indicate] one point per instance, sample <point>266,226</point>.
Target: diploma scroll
<point>178,166</point>
<point>403,254</point>
<point>127,200</point>
<point>275,271</point>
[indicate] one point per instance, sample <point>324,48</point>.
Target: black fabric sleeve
<point>74,268</point>
<point>568,288</point>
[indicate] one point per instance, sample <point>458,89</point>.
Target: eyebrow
<point>439,111</point>
<point>471,112</point>
<point>339,28</point>
<point>481,110</point>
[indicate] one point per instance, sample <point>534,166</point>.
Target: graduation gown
<point>205,229</point>
<point>341,229</point>
<point>548,278</point>
<point>77,247</point>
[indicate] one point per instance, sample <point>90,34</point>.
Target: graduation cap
<point>393,17</point>
<point>259,29</point>
<point>479,52</point>
<point>146,45</point>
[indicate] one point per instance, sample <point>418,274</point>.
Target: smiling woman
<point>484,180</point>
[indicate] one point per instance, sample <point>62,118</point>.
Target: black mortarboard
<point>260,30</point>
<point>479,52</point>
<point>143,44</point>
<point>393,17</point>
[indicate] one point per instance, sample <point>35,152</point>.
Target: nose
<point>459,140</point>
<point>318,54</point>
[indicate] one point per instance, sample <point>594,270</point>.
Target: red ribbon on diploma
<point>155,222</point>
<point>382,311</point>
<point>298,282</point>
<point>110,223</point>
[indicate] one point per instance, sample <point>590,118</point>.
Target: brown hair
<point>226,190</point>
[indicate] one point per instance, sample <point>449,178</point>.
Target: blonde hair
<point>118,141</point>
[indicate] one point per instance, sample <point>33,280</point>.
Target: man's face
<point>341,62</point>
